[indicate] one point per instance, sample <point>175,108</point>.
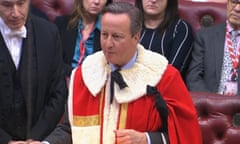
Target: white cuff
<point>148,138</point>
<point>45,142</point>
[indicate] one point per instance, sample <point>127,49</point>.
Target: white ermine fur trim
<point>147,70</point>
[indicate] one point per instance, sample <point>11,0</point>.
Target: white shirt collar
<point>6,31</point>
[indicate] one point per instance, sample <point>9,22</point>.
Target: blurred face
<point>94,7</point>
<point>154,7</point>
<point>14,12</point>
<point>117,43</point>
<point>233,13</point>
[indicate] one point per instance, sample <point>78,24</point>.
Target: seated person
<point>80,32</point>
<point>166,33</point>
<point>215,57</point>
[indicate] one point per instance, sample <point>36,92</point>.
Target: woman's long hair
<point>171,14</point>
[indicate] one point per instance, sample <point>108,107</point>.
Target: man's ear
<point>137,36</point>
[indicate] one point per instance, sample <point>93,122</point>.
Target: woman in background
<point>165,33</point>
<point>80,31</point>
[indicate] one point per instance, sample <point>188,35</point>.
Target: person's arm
<point>4,137</point>
<point>183,126</point>
<point>62,23</point>
<point>157,138</point>
<point>133,136</point>
<point>61,134</point>
<point>181,46</point>
<point>52,86</point>
<point>195,74</point>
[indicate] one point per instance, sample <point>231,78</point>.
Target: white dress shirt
<point>13,40</point>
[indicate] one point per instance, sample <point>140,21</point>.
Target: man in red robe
<point>151,104</point>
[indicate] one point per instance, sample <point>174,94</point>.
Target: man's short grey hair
<point>127,8</point>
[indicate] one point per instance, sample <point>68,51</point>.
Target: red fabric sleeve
<point>183,127</point>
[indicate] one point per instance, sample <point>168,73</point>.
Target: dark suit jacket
<point>68,38</point>
<point>45,92</point>
<point>207,58</point>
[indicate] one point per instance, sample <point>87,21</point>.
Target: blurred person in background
<point>215,57</point>
<point>80,32</point>
<point>165,33</point>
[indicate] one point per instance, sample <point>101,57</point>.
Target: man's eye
<point>20,3</point>
<point>104,35</point>
<point>234,1</point>
<point>117,36</point>
<point>6,4</point>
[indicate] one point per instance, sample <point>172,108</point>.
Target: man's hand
<point>20,142</point>
<point>129,136</point>
<point>30,141</point>
<point>17,142</point>
<point>35,142</point>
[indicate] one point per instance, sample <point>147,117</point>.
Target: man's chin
<point>15,28</point>
<point>15,25</point>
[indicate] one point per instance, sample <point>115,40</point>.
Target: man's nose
<point>109,41</point>
<point>15,11</point>
<point>96,1</point>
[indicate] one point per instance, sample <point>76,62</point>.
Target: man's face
<point>233,13</point>
<point>14,12</point>
<point>117,43</point>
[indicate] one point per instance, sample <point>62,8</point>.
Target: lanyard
<point>234,56</point>
<point>82,51</point>
<point>82,44</point>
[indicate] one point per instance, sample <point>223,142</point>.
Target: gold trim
<point>101,106</point>
<point>123,116</point>
<point>86,120</point>
<point>90,120</point>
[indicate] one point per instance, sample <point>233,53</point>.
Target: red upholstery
<point>53,8</point>
<point>219,117</point>
<point>202,14</point>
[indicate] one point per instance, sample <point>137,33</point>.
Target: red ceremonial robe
<point>93,119</point>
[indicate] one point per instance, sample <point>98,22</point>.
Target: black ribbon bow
<point>160,105</point>
<point>116,77</point>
